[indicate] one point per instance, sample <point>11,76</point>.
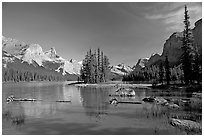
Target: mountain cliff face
<point>197,33</point>
<point>172,46</point>
<point>33,54</point>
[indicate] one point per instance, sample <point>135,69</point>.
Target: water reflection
<point>95,101</point>
<point>90,106</point>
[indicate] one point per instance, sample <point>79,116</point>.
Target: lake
<point>89,111</point>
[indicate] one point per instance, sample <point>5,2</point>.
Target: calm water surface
<point>88,113</point>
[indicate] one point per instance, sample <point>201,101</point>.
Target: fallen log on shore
<point>66,101</point>
<point>25,99</point>
<point>12,98</point>
<point>129,102</point>
<point>78,82</point>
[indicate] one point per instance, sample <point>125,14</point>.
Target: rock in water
<point>148,99</point>
<point>114,101</point>
<point>173,106</point>
<point>161,100</point>
<point>187,125</point>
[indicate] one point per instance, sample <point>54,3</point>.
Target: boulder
<point>173,106</point>
<point>187,125</point>
<point>161,100</point>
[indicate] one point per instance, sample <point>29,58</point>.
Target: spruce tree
<point>167,70</point>
<point>102,68</point>
<point>99,65</point>
<point>197,73</point>
<point>106,68</point>
<point>187,48</point>
<point>161,73</point>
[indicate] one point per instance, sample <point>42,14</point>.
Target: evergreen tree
<point>197,73</point>
<point>187,48</point>
<point>167,69</point>
<point>174,75</point>
<point>106,68</point>
<point>161,73</point>
<point>102,68</point>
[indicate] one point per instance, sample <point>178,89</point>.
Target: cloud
<point>172,14</point>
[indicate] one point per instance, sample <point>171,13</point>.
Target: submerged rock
<point>187,125</point>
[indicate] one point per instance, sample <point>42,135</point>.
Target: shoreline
<point>146,86</point>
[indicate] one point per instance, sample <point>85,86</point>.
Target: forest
<point>18,71</point>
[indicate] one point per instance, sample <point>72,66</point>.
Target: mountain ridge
<point>172,47</point>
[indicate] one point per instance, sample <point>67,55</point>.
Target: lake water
<point>89,111</point>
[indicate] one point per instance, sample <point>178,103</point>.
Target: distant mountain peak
<point>121,69</point>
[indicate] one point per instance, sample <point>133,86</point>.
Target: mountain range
<point>33,56</point>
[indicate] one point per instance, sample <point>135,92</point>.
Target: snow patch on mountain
<point>71,67</point>
<point>35,52</point>
<point>121,69</point>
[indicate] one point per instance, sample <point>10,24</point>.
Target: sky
<point>125,31</point>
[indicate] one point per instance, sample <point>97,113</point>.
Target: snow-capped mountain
<point>71,67</point>
<point>33,53</point>
<point>121,69</point>
<point>141,63</point>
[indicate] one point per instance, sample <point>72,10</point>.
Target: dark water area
<point>89,111</point>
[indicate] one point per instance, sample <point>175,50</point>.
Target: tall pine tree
<point>167,70</point>
<point>187,48</point>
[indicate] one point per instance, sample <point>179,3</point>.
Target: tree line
<point>17,72</point>
<point>157,73</point>
<point>17,76</point>
<point>95,67</point>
